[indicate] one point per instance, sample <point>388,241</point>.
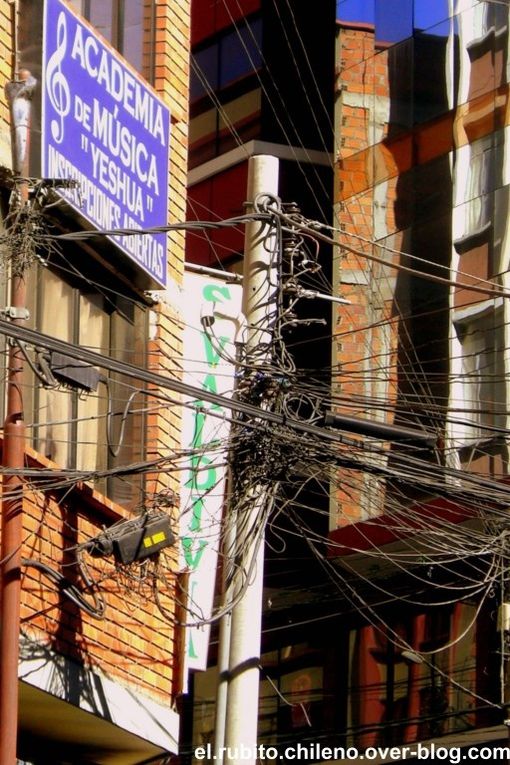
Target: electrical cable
<point>95,609</point>
<point>408,468</point>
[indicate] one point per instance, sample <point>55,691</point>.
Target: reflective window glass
<point>132,32</point>
<point>236,54</point>
<point>431,68</point>
<point>393,20</point>
<point>204,72</point>
<point>362,11</point>
<point>400,87</point>
<point>429,13</point>
<point>480,387</point>
<point>433,193</point>
<point>240,52</point>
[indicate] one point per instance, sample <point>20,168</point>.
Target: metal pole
<point>228,547</point>
<point>19,94</point>
<point>259,303</point>
<point>12,502</point>
<point>220,715</point>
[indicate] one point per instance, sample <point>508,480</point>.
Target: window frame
<point>111,302</point>
<point>474,430</point>
<point>118,31</point>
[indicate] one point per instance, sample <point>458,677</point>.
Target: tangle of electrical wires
<point>197,225</point>
<point>277,454</point>
<point>95,608</point>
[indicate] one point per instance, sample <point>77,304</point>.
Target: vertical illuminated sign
<point>209,355</point>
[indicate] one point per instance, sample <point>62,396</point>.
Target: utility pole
<point>240,635</point>
<point>19,93</point>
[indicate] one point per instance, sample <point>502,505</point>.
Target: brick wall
<point>5,76</point>
<point>362,350</point>
<point>172,81</point>
<point>165,352</point>
<point>134,643</point>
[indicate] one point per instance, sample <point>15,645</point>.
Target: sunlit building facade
<point>400,642</point>
<point>421,205</point>
<point>100,662</point>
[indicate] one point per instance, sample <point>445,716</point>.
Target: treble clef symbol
<point>56,83</point>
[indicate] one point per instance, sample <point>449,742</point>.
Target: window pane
<point>121,22</point>
<point>393,20</point>
<point>482,376</point>
<point>101,16</point>
<point>55,406</point>
<point>431,68</point>
<point>356,10</point>
<point>399,66</point>
<point>132,32</point>
<point>240,52</point>
<point>127,425</point>
<point>91,429</point>
<point>204,72</point>
<point>428,13</point>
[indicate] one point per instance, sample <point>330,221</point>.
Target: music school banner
<point>104,128</point>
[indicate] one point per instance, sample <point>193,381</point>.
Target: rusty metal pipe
<point>19,94</point>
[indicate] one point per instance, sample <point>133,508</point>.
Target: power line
<point>35,338</point>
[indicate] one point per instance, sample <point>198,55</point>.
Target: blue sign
<point>106,129</point>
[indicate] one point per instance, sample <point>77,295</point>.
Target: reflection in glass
<point>235,55</point>
<point>240,53</point>
<point>430,67</point>
<point>480,384</point>
<point>362,11</point>
<point>400,87</point>
<point>204,72</point>
<point>393,20</point>
<point>428,13</point>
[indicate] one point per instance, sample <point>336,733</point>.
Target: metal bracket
<point>15,313</point>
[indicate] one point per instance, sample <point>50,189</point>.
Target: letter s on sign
<point>216,294</point>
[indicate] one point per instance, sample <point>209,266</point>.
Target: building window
<point>486,44</point>
<point>292,701</point>
<point>88,431</point>
<point>404,695</point>
<point>225,91</point>
<point>393,21</point>
<point>128,25</point>
<point>234,55</point>
<point>481,388</point>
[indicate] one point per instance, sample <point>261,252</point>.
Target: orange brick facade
<point>5,76</point>
<point>384,160</point>
<point>359,331</point>
<point>134,642</point>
